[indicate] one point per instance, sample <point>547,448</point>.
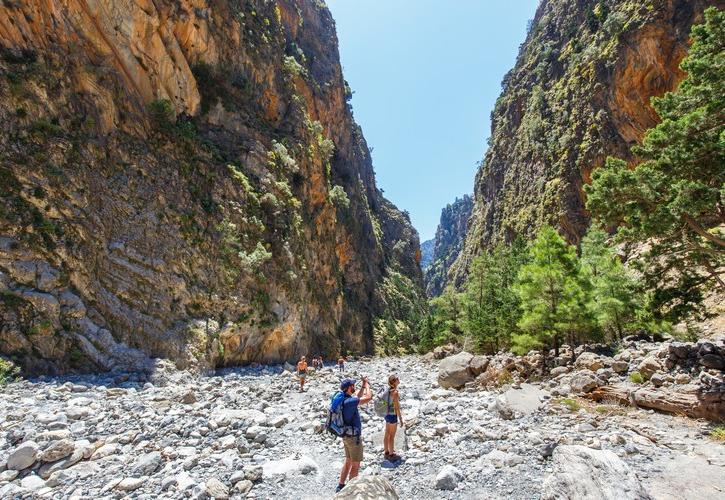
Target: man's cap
<point>346,383</point>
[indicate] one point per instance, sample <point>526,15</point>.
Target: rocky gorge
<point>248,433</point>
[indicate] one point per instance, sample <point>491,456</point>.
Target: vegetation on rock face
<point>673,200</point>
<point>8,371</point>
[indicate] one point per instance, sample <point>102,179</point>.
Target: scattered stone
<point>32,482</point>
<point>189,398</point>
<point>148,464</point>
<point>23,456</point>
<point>216,489</point>
<point>57,450</point>
<point>130,483</point>
<point>448,478</point>
<point>303,465</point>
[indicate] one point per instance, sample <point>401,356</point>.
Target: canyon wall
<point>579,92</point>
<point>185,180</point>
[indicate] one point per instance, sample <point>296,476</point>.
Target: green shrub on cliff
<point>673,199</point>
<point>339,197</point>
<point>8,371</point>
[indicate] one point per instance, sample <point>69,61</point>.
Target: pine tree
<point>447,310</point>
<point>552,293</point>
<point>674,199</point>
<point>491,306</point>
<point>614,289</point>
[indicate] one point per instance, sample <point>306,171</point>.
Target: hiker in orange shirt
<point>302,372</point>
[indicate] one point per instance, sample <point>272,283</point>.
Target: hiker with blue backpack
<point>387,405</point>
<point>343,420</point>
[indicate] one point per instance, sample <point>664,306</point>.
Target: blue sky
<point>426,75</point>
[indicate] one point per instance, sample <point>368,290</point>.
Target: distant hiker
<point>344,421</point>
<point>387,405</point>
<point>302,372</point>
<point>320,362</point>
<point>341,364</point>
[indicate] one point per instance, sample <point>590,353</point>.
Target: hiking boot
<point>339,488</point>
<point>394,457</point>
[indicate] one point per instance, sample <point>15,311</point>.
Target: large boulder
<point>589,361</point>
<point>649,365</point>
<point>620,366</point>
<point>584,381</point>
<point>368,488</point>
<point>455,371</point>
<point>444,351</point>
<point>714,361</point>
<point>478,365</point>
<point>581,472</point>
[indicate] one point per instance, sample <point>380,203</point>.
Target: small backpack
<point>383,403</point>
<point>335,424</point>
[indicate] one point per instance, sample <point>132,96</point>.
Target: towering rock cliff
<point>450,236</point>
<point>578,93</point>
<point>426,251</point>
<point>184,179</point>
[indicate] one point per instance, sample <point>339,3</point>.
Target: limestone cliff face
<point>578,93</point>
<point>449,239</point>
<point>184,179</point>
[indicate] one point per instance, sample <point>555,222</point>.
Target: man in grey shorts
<point>351,416</point>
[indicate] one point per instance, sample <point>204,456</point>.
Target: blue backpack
<point>336,424</point>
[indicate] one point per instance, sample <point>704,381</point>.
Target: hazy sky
<point>426,74</point>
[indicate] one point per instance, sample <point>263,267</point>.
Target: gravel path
<point>248,433</point>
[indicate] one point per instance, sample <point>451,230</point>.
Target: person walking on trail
<point>341,364</point>
<point>393,417</point>
<point>302,372</point>
<point>351,416</point>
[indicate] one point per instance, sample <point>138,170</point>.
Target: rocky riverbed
<point>248,433</point>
